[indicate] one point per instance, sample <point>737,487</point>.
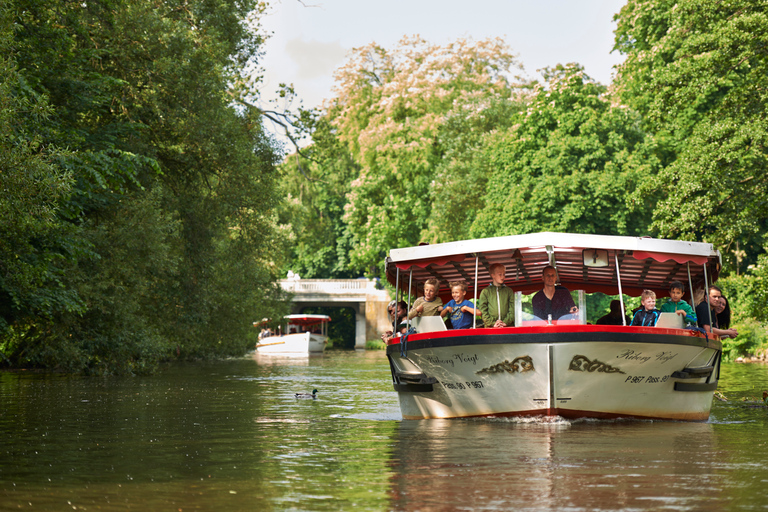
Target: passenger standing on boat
<point>496,301</point>
<point>648,315</point>
<point>460,309</point>
<point>430,304</point>
<point>553,300</point>
<point>704,313</point>
<point>614,317</point>
<point>676,304</point>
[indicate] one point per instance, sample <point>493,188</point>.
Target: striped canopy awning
<point>643,263</point>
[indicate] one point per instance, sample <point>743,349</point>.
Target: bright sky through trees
<point>312,37</point>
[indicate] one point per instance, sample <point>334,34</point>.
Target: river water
<point>230,435</point>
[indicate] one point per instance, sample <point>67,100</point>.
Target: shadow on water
<point>230,435</point>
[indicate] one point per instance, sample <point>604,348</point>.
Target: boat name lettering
<point>665,356</point>
<point>476,384</point>
<point>631,355</point>
<point>462,358</point>
<point>466,359</point>
<point>642,379</point>
<point>437,360</point>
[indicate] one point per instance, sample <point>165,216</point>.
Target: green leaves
<point>698,72</point>
<point>152,235</point>
<point>567,164</point>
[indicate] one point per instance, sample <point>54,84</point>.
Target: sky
<point>310,38</point>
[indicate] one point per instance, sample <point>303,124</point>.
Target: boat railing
<point>533,323</point>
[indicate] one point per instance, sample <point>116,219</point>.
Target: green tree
<point>461,167</point>
<point>567,164</point>
<point>35,245</point>
<point>698,72</point>
<point>173,188</point>
<point>314,191</point>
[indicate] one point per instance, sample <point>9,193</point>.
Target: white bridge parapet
<point>369,303</point>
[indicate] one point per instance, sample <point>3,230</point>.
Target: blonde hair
<point>698,296</point>
<point>646,294</point>
<point>462,284</point>
<point>434,282</point>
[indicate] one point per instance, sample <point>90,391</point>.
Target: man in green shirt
<point>497,302</point>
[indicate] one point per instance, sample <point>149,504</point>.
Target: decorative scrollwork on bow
<point>583,364</point>
<point>518,365</point>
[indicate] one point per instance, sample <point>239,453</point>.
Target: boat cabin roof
<point>307,319</point>
<point>583,262</point>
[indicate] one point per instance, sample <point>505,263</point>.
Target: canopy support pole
<point>621,294</point>
<point>690,286</point>
<point>706,294</point>
<point>397,291</point>
<point>410,283</point>
<point>474,317</point>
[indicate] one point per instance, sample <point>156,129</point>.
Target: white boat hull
<point>299,343</point>
<point>568,371</point>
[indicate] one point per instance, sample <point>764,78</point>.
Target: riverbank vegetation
<point>146,214</point>
<point>137,208</point>
<point>441,143</point>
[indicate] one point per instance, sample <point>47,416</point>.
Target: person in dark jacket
<point>704,314</point>
<point>552,300</point>
<point>648,315</point>
<point>614,317</point>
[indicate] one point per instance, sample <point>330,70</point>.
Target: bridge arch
<point>368,302</point>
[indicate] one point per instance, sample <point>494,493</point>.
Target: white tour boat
<point>303,334</point>
<point>556,367</point>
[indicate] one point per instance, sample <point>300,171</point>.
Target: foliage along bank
<point>140,224</point>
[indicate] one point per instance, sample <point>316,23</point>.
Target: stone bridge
<point>369,303</point>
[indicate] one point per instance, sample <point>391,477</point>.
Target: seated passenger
<point>553,300</point>
<point>723,313</point>
<point>614,317</point>
<point>397,313</point>
<point>496,301</point>
<point>461,310</point>
<point>704,313</point>
<point>648,315</point>
<point>430,304</point>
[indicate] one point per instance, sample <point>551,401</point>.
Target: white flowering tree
<point>390,110</point>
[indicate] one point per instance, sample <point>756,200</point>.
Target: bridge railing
<point>329,286</point>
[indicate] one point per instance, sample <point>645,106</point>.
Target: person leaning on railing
<point>704,313</point>
<point>401,326</point>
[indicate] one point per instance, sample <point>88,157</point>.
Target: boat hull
<point>568,371</point>
<point>299,343</point>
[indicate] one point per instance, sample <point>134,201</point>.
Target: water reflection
<point>230,436</point>
<point>482,465</point>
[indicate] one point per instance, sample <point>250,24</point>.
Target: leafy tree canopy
<point>566,164</point>
<point>698,72</point>
<point>166,190</point>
